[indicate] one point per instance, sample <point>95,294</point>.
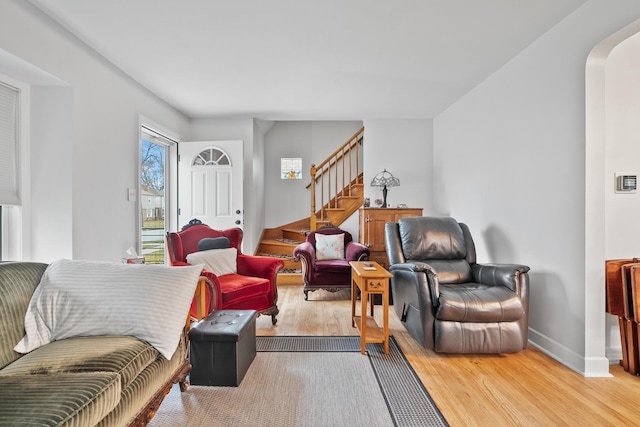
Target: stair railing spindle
<point>323,178</point>
<point>343,181</point>
<point>357,158</point>
<point>350,171</point>
<point>313,218</point>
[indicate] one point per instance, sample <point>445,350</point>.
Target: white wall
<point>98,151</point>
<point>51,193</point>
<point>327,136</point>
<point>260,129</point>
<point>622,148</point>
<point>404,148</point>
<point>287,200</point>
<point>510,162</point>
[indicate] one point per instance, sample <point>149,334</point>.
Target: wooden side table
<point>371,280</point>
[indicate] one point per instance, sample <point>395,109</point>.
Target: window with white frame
<point>13,145</point>
<point>157,152</point>
<point>290,168</point>
<point>9,148</point>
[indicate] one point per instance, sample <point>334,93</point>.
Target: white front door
<point>210,183</point>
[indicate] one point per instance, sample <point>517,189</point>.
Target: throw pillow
<point>329,246</point>
<point>213,243</point>
<point>91,298</point>
<point>219,261</point>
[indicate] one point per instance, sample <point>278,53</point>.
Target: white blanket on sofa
<point>88,298</point>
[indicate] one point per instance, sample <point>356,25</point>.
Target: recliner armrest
<point>509,275</point>
<point>417,268</point>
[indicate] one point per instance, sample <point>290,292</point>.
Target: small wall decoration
<point>290,168</point>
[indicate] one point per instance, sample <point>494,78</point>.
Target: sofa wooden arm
<point>200,297</point>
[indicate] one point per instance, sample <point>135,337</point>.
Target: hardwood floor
<point>523,389</point>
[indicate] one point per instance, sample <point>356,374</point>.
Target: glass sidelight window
<point>153,194</point>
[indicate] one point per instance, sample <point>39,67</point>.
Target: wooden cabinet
<point>372,221</point>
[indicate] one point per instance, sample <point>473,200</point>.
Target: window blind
<point>9,98</point>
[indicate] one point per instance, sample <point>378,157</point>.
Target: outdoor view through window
<point>152,198</point>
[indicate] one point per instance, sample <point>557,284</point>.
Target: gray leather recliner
<point>447,301</point>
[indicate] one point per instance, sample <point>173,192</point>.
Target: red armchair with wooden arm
<point>251,287</point>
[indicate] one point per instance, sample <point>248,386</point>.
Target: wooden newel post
<point>312,217</point>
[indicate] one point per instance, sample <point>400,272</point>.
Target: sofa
<point>83,378</point>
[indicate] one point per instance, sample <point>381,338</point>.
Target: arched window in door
<point>211,157</point>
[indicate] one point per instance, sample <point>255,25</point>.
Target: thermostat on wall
<point>626,183</point>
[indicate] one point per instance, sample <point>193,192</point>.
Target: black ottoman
<point>223,345</point>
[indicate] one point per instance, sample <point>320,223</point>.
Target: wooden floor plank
<point>524,389</point>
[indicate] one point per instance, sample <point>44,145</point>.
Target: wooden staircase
<point>339,181</point>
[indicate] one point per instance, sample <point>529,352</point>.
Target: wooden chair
<point>622,282</point>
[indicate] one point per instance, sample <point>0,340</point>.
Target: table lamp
<point>384,179</point>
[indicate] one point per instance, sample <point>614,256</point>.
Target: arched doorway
<point>598,184</point>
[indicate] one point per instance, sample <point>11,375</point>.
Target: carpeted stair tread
<point>280,241</point>
<point>281,256</point>
<point>288,241</point>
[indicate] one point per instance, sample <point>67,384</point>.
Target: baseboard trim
<point>588,367</point>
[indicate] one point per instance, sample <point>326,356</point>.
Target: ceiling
<point>309,59</point>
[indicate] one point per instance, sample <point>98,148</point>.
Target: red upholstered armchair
<point>333,272</point>
<point>251,287</point>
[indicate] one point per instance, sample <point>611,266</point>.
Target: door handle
<point>238,211</point>
<point>237,222</point>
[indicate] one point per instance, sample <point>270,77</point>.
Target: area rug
<point>310,381</point>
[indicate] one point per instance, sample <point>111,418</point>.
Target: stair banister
<point>334,167</point>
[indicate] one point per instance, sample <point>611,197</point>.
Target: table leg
<point>363,320</point>
<point>353,303</point>
<point>385,316</point>
<point>372,302</point>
